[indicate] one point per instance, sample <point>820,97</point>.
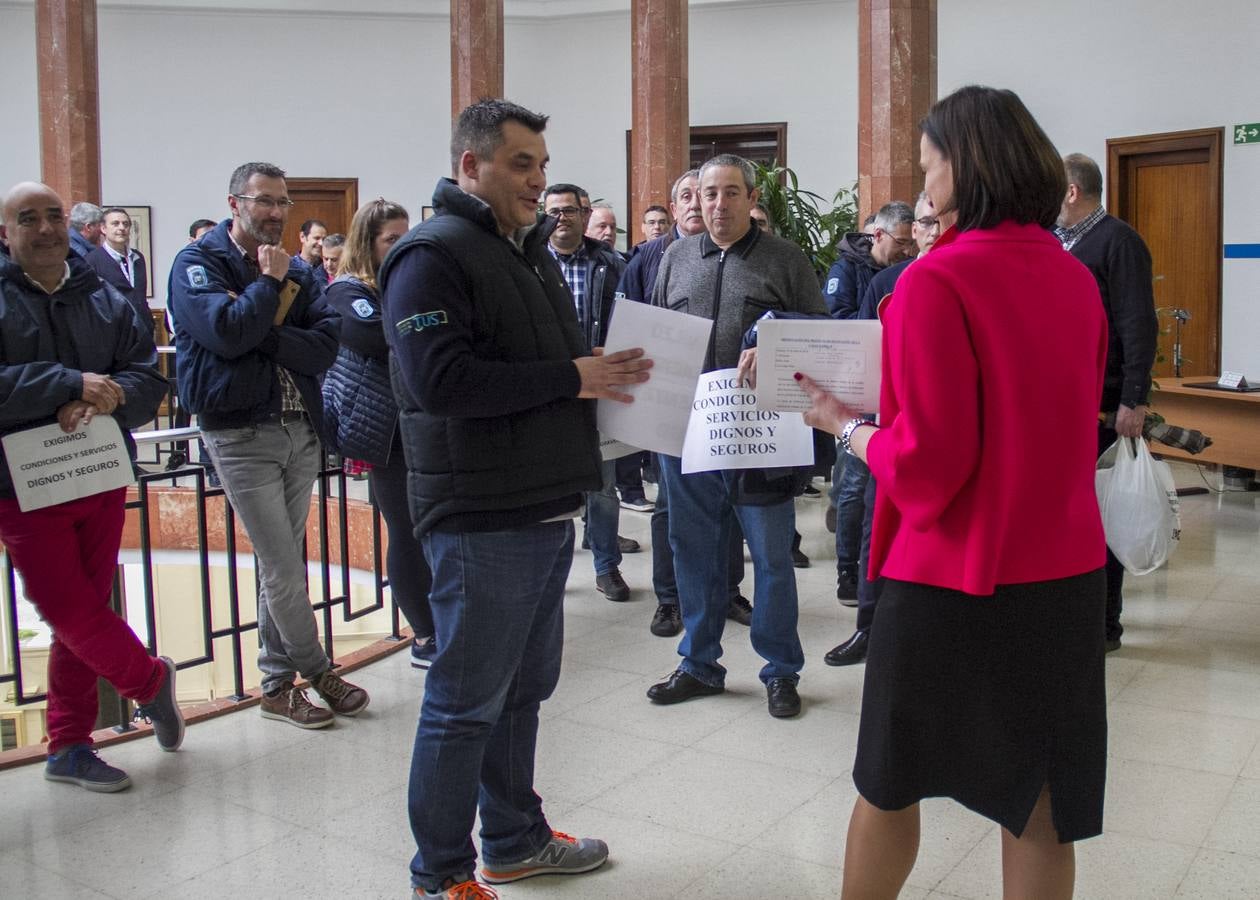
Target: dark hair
<point>479,127</point>
<point>200,224</point>
<point>114,209</point>
<point>656,207</point>
<point>563,187</point>
<point>365,228</point>
<point>245,172</point>
<point>309,224</point>
<point>738,162</point>
<point>1004,166</point>
<point>1084,173</point>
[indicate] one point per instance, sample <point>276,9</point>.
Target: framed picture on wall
<point>141,235</point>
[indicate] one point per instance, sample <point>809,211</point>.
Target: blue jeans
<point>701,516</point>
<point>663,581</point>
<point>268,470</point>
<point>498,614</point>
<point>848,491</point>
<point>603,515</point>
<point>868,591</point>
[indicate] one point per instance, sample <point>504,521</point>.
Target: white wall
<point>186,95</point>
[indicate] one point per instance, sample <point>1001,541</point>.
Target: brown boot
<point>342,697</point>
<point>290,704</point>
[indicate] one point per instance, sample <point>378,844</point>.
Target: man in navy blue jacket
<point>252,333</point>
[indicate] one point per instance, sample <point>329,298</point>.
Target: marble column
<point>69,103</point>
<point>476,52</point>
<point>660,132</point>
<point>896,87</point>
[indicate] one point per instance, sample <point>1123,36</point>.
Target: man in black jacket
<point>1121,264</point>
<point>493,379</point>
<point>74,349</point>
<point>592,270</point>
<point>120,264</point>
<point>252,333</point>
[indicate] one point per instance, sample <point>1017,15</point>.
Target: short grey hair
<point>673,191</point>
<point>891,215</point>
<point>1084,173</point>
<point>245,172</point>
<point>84,214</point>
<point>601,204</point>
<point>730,159</point>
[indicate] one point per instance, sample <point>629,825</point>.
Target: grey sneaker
<point>342,697</point>
<point>80,765</point>
<point>162,712</point>
<point>562,855</point>
<point>290,704</point>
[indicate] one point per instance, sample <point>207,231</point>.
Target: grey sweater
<point>760,272</point>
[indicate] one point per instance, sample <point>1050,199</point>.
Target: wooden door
<point>331,200</point>
<point>1168,187</point>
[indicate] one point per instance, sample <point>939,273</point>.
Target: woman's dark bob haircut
<point>1004,166</point>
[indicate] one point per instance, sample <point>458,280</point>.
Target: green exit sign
<point>1247,134</point>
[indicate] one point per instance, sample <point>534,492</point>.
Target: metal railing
<point>328,511</point>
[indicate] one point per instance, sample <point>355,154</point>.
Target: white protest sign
<point>48,466</point>
<point>611,448</point>
<point>676,344</point>
<point>728,429</point>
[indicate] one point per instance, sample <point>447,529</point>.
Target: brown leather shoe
<point>290,704</point>
<point>342,697</point>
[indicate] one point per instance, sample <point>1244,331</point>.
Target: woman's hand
<point>827,413</point>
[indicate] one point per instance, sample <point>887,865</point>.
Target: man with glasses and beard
<point>252,333</point>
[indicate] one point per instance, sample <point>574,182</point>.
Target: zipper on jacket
<point>711,358</point>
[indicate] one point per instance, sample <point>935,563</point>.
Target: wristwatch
<point>846,435</point>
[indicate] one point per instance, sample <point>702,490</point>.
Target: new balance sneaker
<point>80,765</point>
<point>423,651</point>
<point>470,889</point>
<point>562,855</point>
<point>162,712</point>
<point>290,704</point>
<point>342,697</point>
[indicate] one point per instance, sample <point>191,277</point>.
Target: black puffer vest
<point>524,312</point>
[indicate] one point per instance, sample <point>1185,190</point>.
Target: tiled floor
<point>710,799</point>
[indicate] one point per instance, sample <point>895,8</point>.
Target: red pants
<point>66,555</point>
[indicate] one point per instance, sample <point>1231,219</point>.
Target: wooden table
<point>1231,420</point>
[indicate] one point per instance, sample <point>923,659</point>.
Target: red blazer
<point>994,348</point>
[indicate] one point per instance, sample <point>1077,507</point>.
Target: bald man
<point>102,362</point>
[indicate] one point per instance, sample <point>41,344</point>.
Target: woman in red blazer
<point>984,677</point>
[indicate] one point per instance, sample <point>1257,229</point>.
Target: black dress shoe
<point>666,621</point>
<point>1111,644</point>
<point>679,687</point>
<point>850,652</point>
<point>782,697</point>
<point>628,545</point>
<point>799,559</point>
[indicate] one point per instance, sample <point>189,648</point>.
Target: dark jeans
<point>663,581</point>
<point>498,607</point>
<point>409,577</point>
<point>1113,568</point>
<point>868,591</point>
<point>848,492</point>
<point>630,475</point>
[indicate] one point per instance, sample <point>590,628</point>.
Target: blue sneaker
<point>423,652</point>
<point>80,765</point>
<point>162,712</point>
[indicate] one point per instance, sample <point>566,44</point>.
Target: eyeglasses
<point>266,202</point>
<point>564,212</point>
<point>928,222</point>
<point>900,242</point>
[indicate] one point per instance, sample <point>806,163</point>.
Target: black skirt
<point>988,699</point>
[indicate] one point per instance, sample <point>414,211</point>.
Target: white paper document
<point>842,356</point>
<point>729,429</point>
<point>676,344</point>
<point>49,466</point>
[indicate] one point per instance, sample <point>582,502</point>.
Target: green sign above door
<point>1247,134</point>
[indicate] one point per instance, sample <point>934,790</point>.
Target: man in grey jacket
<point>733,274</point>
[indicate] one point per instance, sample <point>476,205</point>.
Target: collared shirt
<point>65,276</point>
<point>573,267</point>
<point>1069,236</point>
<point>126,263</point>
<point>290,396</point>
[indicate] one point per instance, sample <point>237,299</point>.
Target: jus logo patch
<point>363,307</point>
<point>832,284</point>
<point>197,276</point>
<point>419,322</point>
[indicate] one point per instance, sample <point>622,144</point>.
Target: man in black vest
<point>1121,264</point>
<point>493,380</point>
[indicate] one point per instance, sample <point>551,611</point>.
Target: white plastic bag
<point>1140,511</point>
